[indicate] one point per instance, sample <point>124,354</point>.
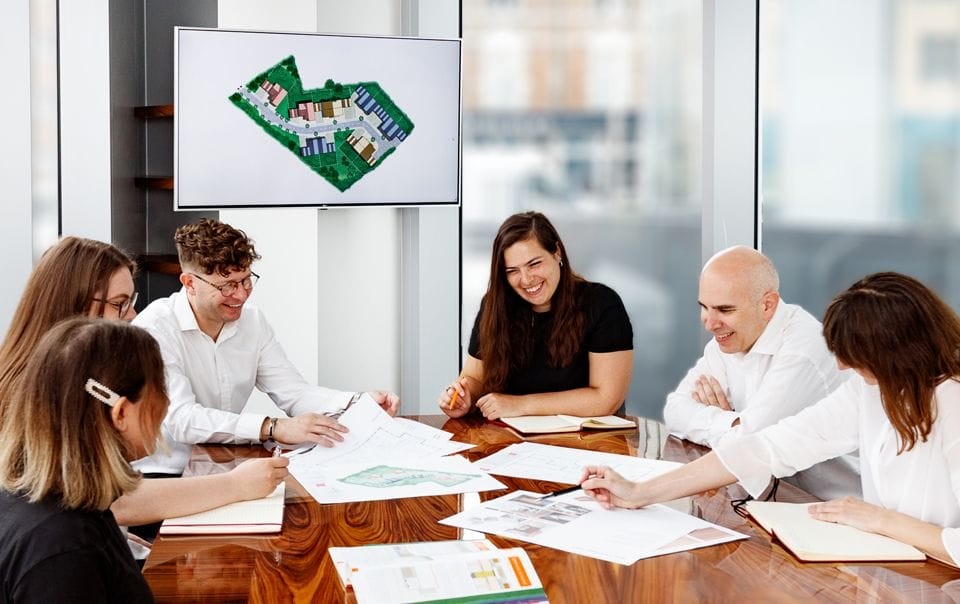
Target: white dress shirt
<point>923,482</point>
<point>786,370</point>
<point>210,382</point>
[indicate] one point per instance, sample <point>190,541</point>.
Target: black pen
<point>575,487</point>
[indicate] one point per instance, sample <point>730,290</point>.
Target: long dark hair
<point>506,327</point>
<point>900,331</point>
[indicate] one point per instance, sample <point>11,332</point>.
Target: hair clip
<point>101,392</point>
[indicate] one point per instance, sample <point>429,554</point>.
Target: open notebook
<point>542,424</point>
<point>254,516</point>
<point>814,540</point>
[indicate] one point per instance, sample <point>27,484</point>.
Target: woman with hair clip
<point>90,399</point>
<point>85,277</point>
<point>901,410</point>
<point>546,340</point>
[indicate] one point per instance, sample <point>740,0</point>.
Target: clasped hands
<point>708,391</point>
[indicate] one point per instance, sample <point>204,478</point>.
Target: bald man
<point>767,360</point>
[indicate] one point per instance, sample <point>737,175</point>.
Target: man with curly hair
<point>217,349</point>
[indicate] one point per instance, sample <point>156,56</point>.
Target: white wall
<point>85,119</point>
<point>16,227</point>
<point>332,278</point>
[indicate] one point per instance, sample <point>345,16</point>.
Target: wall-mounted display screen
<point>266,119</point>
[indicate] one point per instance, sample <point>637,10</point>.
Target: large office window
<point>860,108</point>
<point>590,111</point>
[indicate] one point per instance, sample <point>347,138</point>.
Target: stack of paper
<point>451,571</point>
<point>577,524</point>
<point>382,457</point>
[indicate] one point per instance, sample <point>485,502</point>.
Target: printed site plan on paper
<point>341,131</point>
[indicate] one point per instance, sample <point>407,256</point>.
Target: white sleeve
<point>828,429</point>
<point>278,378</point>
<point>791,383</point>
<point>951,440</point>
<point>693,421</point>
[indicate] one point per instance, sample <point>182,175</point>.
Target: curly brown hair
<point>214,246</point>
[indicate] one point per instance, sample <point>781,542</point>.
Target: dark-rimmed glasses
<point>122,307</point>
<point>230,287</point>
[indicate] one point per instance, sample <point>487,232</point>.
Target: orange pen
<point>453,399</point>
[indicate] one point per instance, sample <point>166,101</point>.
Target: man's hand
<point>708,391</point>
<point>496,405</point>
<point>309,428</point>
<point>256,478</point>
<point>388,401</point>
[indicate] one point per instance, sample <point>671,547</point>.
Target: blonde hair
<point>58,442</point>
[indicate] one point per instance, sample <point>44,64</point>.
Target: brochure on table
<point>575,523</point>
<point>470,574</point>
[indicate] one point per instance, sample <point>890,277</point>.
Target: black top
<point>606,329</point>
<point>50,554</point>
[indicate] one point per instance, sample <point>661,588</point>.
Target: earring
<point>561,263</point>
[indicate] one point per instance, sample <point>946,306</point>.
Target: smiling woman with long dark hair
<point>546,340</point>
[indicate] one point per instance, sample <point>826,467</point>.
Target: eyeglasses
<point>230,287</point>
<point>122,307</point>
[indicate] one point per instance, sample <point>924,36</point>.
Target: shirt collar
<point>771,339</point>
<point>184,314</point>
<point>188,321</point>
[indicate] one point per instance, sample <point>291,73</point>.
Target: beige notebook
<point>254,516</point>
<point>814,540</point>
<point>542,424</point>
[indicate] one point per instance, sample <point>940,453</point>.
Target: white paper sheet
<point>575,523</point>
<point>348,559</point>
<point>378,480</point>
<point>565,464</point>
<point>375,436</point>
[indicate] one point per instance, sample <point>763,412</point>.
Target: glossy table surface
<point>294,566</point>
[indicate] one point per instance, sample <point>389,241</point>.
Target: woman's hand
<point>455,398</point>
<point>496,405</point>
<point>608,488</point>
<point>852,512</point>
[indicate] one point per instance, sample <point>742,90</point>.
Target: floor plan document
<point>565,464</point>
<point>575,523</point>
<point>373,481</point>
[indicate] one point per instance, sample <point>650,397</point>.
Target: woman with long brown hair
<point>546,340</point>
<point>901,410</point>
<point>78,277</point>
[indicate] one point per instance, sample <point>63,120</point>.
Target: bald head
<point>738,297</point>
<point>745,269</point>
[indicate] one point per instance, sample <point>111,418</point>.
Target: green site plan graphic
<point>381,477</point>
<point>341,131</point>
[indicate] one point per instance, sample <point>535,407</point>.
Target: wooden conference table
<point>294,566</point>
